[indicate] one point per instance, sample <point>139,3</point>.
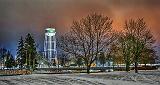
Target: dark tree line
<point>92,38</point>
<point>6,58</point>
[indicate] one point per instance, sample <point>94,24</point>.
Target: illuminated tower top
<point>50,31</point>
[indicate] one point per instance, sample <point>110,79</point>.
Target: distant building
<point>50,51</point>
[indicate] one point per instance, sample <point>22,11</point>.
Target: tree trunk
<point>58,65</point>
<point>33,64</point>
<point>127,66</point>
<point>136,67</point>
<point>88,69</point>
<point>29,61</point>
<point>26,59</point>
<point>145,66</point>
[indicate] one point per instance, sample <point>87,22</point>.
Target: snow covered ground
<point>110,78</point>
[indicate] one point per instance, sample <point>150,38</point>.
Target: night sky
<point>19,17</point>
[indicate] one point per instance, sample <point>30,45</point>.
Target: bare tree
<point>125,45</point>
<point>88,37</point>
<point>68,44</point>
<point>148,55</point>
<point>139,37</point>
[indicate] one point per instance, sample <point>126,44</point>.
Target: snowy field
<point>110,78</point>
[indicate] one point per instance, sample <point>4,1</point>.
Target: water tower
<point>50,51</point>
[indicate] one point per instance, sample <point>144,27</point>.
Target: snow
<point>109,78</point>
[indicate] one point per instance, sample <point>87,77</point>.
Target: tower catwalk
<point>50,51</point>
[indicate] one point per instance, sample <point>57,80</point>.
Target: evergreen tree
<point>9,60</point>
<point>21,53</point>
<point>30,48</point>
<point>3,53</point>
